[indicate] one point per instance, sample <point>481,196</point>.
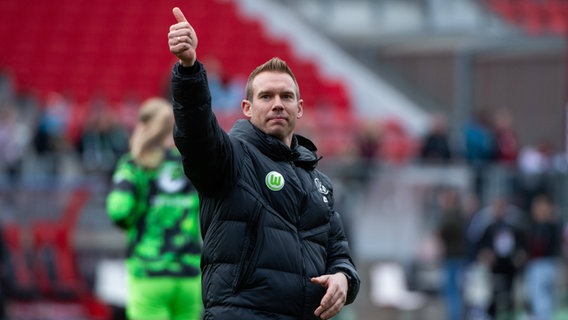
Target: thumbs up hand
<point>182,39</point>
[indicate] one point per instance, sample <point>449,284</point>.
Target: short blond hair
<point>275,64</point>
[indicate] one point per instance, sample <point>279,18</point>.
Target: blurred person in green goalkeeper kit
<point>274,246</point>
<point>157,206</point>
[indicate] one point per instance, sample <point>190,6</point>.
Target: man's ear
<point>246,107</point>
<point>300,108</point>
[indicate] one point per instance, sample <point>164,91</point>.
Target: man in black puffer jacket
<point>273,246</point>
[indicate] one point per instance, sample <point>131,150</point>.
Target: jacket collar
<point>302,152</point>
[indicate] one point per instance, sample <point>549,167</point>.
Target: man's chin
<point>276,131</point>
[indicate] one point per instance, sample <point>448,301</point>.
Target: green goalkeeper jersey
<point>159,211</point>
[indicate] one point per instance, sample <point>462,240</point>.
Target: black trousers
<point>503,298</point>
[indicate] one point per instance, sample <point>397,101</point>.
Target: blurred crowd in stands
<point>96,133</point>
<point>492,252</point>
<point>57,138</point>
<point>54,140</point>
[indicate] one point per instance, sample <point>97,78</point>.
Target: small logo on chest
<point>274,181</point>
<point>321,188</point>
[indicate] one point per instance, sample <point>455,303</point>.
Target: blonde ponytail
<point>151,133</point>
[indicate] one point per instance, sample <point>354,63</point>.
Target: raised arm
<point>209,155</point>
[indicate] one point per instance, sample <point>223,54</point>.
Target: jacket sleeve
<point>121,201</point>
<point>206,149</point>
<point>339,257</point>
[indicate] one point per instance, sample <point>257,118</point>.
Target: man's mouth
<point>277,118</point>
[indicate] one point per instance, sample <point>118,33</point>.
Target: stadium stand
<point>112,50</point>
<point>534,17</point>
<point>116,48</point>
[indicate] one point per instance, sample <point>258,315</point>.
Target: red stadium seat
<point>534,17</point>
<point>17,268</point>
<point>54,260</point>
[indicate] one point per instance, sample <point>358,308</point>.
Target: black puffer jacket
<point>267,214</point>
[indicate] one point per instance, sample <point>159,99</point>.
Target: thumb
<point>179,15</point>
<point>321,280</point>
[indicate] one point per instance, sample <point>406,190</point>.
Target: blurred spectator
<point>54,121</point>
<point>475,281</point>
<point>451,233</point>
<point>506,140</point>
<point>504,171</point>
<point>226,92</point>
<point>474,226</point>
<point>534,164</point>
<point>367,144</point>
<point>102,141</point>
<point>15,137</point>
<point>503,250</point>
<point>51,136</point>
<point>479,148</point>
<point>368,141</point>
<point>544,249</point>
<point>435,147</point>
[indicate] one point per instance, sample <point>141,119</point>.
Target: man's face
<point>275,105</point>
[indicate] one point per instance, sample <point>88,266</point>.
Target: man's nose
<point>278,104</point>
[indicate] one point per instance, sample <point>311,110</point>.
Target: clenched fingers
<point>335,295</point>
<point>182,33</point>
<point>331,304</point>
<point>179,42</point>
<point>182,38</point>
